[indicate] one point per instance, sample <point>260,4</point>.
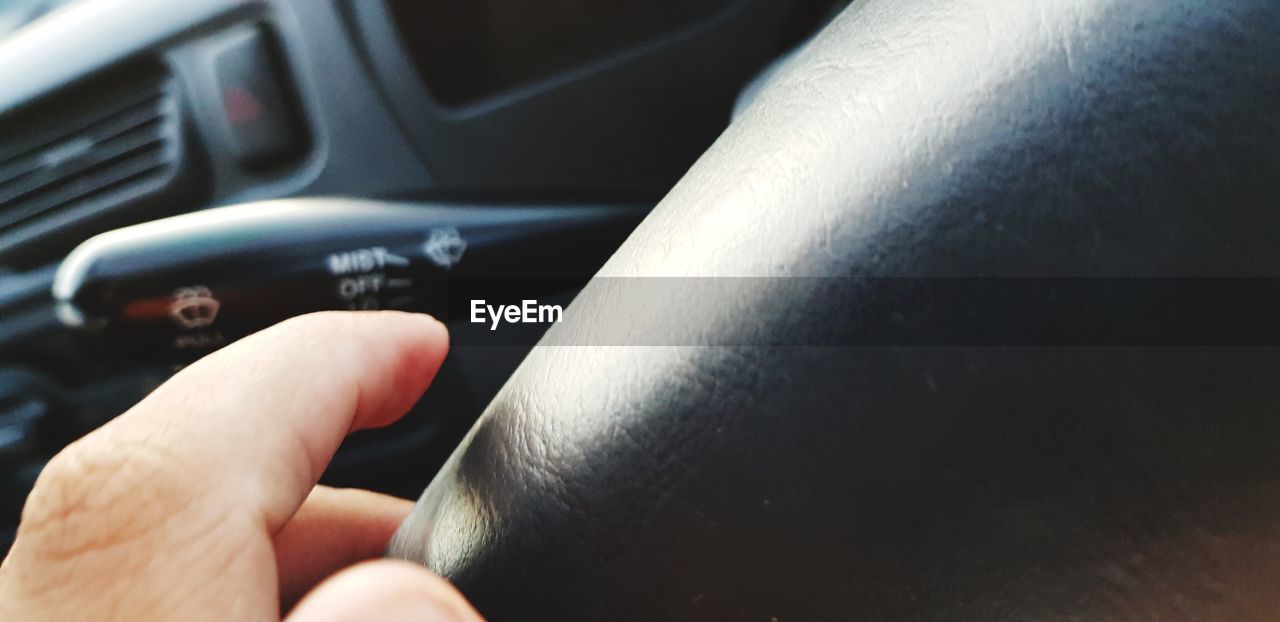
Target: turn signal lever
<point>181,287</point>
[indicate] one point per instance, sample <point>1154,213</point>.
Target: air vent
<point>96,146</point>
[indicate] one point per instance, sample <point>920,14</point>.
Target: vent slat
<point>94,183</point>
<point>110,141</point>
<point>97,154</point>
<point>76,123</point>
<point>115,124</point>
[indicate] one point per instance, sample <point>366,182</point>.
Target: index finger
<point>215,461</point>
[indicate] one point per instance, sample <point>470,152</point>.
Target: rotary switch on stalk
<point>181,287</point>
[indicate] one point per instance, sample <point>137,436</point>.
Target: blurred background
<point>117,112</point>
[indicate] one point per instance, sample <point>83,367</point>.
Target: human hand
<point>200,502</point>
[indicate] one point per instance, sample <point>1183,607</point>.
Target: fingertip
<point>423,344</point>
<point>435,339</point>
<point>388,590</point>
<point>434,330</point>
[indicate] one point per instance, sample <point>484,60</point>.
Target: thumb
<point>385,590</point>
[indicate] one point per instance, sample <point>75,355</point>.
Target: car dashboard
<point>117,112</point>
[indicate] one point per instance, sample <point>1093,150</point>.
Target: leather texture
<point>925,137</point>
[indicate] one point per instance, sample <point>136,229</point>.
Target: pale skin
<point>200,503</point>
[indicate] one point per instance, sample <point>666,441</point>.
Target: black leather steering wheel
<point>1081,138</point>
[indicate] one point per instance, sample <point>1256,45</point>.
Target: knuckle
<point>103,492</point>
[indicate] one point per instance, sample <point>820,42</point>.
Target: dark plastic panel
<point>628,122</point>
<point>470,49</point>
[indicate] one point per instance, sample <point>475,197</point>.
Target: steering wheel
<point>744,470</point>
